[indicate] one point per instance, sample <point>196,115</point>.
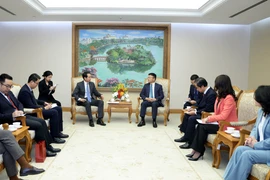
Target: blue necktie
<point>88,93</point>
<point>151,91</point>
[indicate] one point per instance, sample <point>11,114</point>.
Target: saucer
<point>12,129</point>
<point>228,132</point>
<point>236,135</point>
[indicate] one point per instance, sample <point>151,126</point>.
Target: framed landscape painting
<point>123,53</point>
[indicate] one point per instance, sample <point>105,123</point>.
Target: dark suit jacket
<point>6,108</point>
<point>79,91</point>
<point>44,90</point>
<point>159,95</point>
<point>207,102</point>
<point>194,94</point>
<point>27,98</point>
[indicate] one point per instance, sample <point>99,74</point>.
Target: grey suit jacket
<point>79,91</point>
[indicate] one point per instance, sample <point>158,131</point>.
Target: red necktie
<point>11,102</point>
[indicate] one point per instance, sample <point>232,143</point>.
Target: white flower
<point>126,95</point>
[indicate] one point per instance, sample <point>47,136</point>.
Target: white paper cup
<point>16,124</point>
<point>188,107</point>
<point>128,100</point>
<point>112,100</point>
<point>230,129</point>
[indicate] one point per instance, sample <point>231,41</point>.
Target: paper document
<point>54,105</point>
<point>54,86</point>
<point>200,121</point>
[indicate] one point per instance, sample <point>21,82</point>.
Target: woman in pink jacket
<point>225,109</point>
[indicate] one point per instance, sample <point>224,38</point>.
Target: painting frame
<point>166,28</point>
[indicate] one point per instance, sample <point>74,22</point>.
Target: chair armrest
<point>206,114</point>
<point>37,111</point>
<point>5,126</point>
<point>138,104</point>
<point>243,134</point>
<point>22,119</point>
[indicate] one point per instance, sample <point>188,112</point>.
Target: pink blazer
<point>225,110</point>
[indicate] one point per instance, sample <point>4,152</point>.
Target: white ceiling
<point>219,15</point>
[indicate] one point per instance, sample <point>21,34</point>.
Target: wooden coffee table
<point>23,133</point>
<point>228,140</point>
<point>117,105</point>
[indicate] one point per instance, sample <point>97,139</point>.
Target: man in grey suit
<point>85,93</point>
<point>12,152</point>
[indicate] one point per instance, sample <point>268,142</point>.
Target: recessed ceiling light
<point>168,4</point>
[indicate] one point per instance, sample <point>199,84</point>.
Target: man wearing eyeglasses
<point>10,108</point>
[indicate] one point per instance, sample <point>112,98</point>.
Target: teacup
<point>17,124</point>
<point>230,129</point>
<point>236,132</point>
<point>112,100</point>
<point>128,100</point>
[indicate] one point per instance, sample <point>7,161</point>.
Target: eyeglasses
<point>7,86</point>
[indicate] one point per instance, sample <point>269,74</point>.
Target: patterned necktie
<point>151,91</point>
<point>88,93</point>
<point>11,102</point>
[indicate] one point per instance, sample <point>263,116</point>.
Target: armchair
<point>80,109</point>
<point>162,111</point>
<point>247,113</point>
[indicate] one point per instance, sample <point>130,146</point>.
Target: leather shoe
<point>30,171</point>
<point>182,139</point>
<point>185,146</point>
<point>142,123</point>
<point>58,140</point>
<point>91,123</point>
<point>154,124</point>
<point>100,122</point>
<point>50,153</point>
<point>179,126</point>
<point>61,135</point>
<point>52,149</point>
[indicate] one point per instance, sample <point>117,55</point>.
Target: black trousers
<point>154,106</point>
<point>40,128</point>
<point>56,119</point>
<point>188,126</point>
<point>87,105</point>
<point>201,134</point>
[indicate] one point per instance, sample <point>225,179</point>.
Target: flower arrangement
<point>120,92</point>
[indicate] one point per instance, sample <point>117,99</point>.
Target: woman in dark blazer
<point>46,89</point>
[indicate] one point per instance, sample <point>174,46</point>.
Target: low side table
<point>117,105</point>
<point>20,134</point>
<point>228,140</point>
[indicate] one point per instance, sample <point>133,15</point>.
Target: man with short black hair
<point>152,95</point>
<point>194,97</point>
<point>84,93</point>
<point>27,98</point>
<point>191,116</point>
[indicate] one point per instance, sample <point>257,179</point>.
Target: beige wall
<point>259,72</point>
<point>208,50</point>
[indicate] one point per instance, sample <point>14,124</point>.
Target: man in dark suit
<point>194,96</point>
<point>10,108</point>
<point>152,95</point>
<point>85,93</point>
<point>27,98</point>
<point>191,116</point>
<point>12,152</point>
